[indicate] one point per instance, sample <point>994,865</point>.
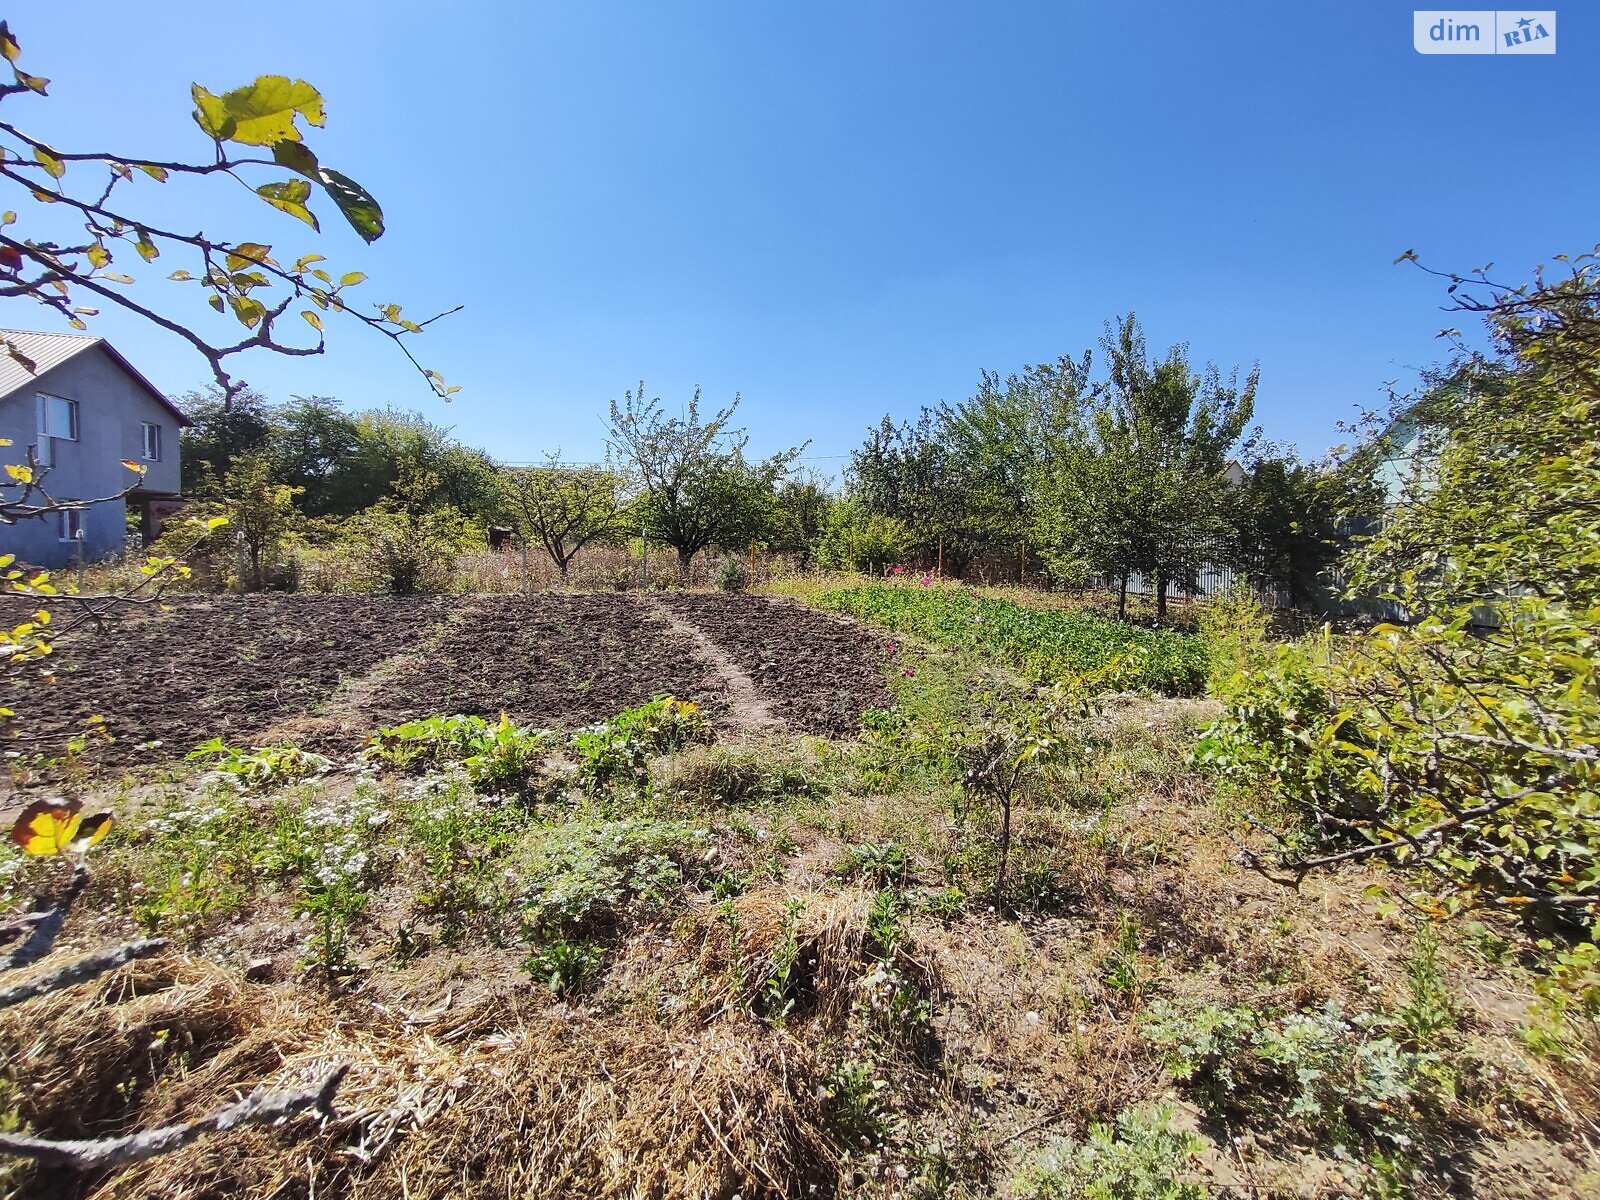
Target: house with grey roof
<point>82,408</point>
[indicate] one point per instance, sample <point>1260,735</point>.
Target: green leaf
<point>290,197</point>
<point>351,278</point>
<point>313,320</point>
<point>159,174</point>
<point>262,113</point>
<point>297,157</point>
<point>146,248</point>
<point>358,207</point>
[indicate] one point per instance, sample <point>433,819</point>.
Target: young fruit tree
<point>696,486</point>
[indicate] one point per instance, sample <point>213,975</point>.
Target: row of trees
<point>1151,468</point>
<point>1148,468</point>
<point>309,467</point>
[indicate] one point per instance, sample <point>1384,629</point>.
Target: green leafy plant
<point>875,862</point>
<point>262,766</point>
<point>1139,1156</point>
<point>563,966</point>
<point>498,756</point>
<point>778,991</point>
<point>731,574</point>
<point>1050,644</point>
<point>1457,740</point>
<point>621,748</point>
<point>586,878</point>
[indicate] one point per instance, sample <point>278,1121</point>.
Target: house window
<point>152,441</point>
<point>58,422</point>
<point>69,524</point>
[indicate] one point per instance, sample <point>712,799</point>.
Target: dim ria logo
<point>1471,31</point>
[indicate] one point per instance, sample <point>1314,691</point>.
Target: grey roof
<point>50,350</point>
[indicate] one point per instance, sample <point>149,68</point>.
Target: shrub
<point>857,540</point>
<point>731,574</point>
<point>405,552</point>
<point>1461,739</point>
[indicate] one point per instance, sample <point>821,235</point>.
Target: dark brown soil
<point>816,672</point>
<point>553,659</point>
<point>225,666</point>
<point>252,669</point>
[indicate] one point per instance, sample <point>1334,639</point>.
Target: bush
<point>1463,740</point>
<point>404,552</point>
<point>731,574</point>
<point>857,540</point>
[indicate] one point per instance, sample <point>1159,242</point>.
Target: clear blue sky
<point>846,209</point>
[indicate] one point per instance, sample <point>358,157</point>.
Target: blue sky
<point>846,209</point>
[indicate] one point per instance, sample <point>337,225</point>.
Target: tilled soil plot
<point>217,666</point>
<point>553,659</point>
<point>817,673</point>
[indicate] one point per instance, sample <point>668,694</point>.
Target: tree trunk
<point>1161,595</point>
<point>1122,597</point>
<point>685,558</point>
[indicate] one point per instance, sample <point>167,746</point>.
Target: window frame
<point>150,440</point>
<point>44,448</point>
<point>70,526</point>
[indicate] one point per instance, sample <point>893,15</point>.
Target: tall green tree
<point>1138,484</point>
<point>697,487</point>
<point>999,443</point>
<point>225,429</point>
<point>800,513</point>
<point>909,472</point>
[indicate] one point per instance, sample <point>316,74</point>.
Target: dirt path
<point>747,708</point>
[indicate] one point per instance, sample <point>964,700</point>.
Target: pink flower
<point>927,581</point>
<point>894,646</point>
<point>909,672</point>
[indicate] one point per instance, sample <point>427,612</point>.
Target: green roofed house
<point>82,409</point>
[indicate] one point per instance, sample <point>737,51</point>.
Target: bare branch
<point>89,967</point>
<point>260,1107</point>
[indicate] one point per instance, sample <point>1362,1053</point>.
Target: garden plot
<point>324,672</point>
<point>817,673</point>
<point>228,667</point>
<point>554,659</point>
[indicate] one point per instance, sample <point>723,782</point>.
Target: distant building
<point>83,408</point>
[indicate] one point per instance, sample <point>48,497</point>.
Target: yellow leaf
<point>259,113</point>
<point>52,165</point>
<point>351,278</point>
<point>19,473</point>
<point>136,468</point>
<point>47,827</point>
<point>99,256</point>
<point>313,320</point>
<point>247,254</point>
